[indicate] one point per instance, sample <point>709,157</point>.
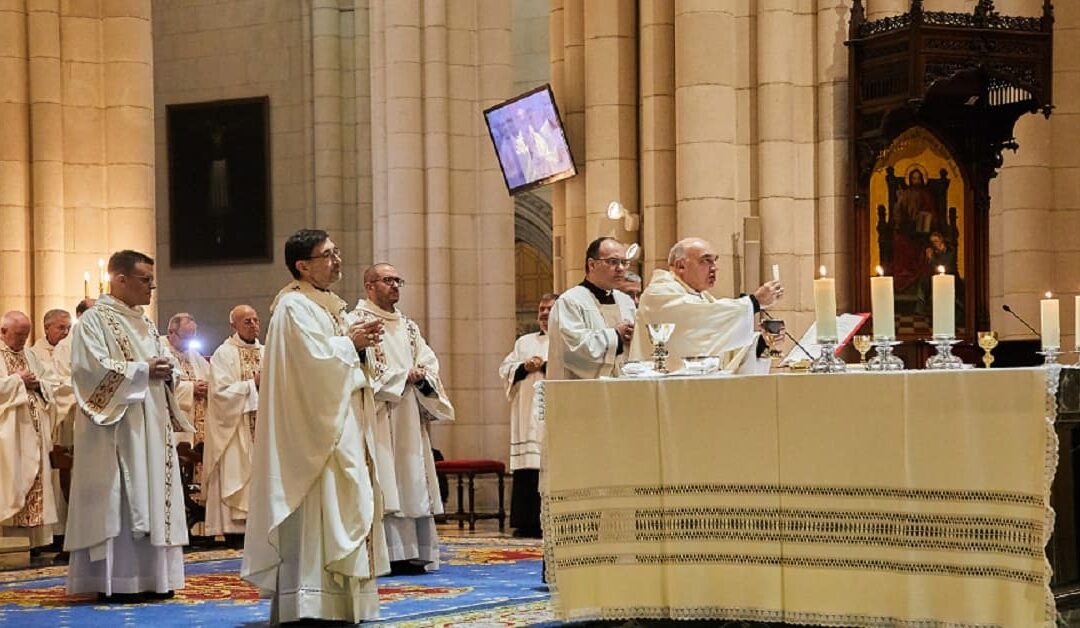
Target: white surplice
<point>704,326</point>
<point>27,505</point>
<point>192,367</point>
<point>229,434</point>
<point>56,360</point>
<point>314,541</point>
<point>403,414</point>
<point>584,343</point>
<point>126,522</point>
<point>526,431</point>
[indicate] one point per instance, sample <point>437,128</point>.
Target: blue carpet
<point>481,582</point>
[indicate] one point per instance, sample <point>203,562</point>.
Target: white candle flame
<point>100,263</point>
<point>941,270</point>
<point>86,276</point>
<point>1047,294</point>
<point>880,271</point>
<point>822,270</point>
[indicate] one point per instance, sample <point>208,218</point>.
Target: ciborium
<point>988,340</point>
<point>659,335</point>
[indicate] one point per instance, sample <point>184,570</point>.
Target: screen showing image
<point>529,140</point>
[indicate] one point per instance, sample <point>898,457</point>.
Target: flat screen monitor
<point>529,140</point>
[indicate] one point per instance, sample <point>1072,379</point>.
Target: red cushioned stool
<point>470,469</point>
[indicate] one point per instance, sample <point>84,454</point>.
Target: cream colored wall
<point>76,145</point>
<point>222,49</point>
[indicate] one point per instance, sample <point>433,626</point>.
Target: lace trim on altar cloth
<point>1053,375</point>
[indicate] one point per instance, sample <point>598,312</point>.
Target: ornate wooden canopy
<point>965,76</point>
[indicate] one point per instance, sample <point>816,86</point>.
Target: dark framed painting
<point>219,182</point>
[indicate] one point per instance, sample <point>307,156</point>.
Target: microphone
<point>1009,310</point>
<point>788,334</point>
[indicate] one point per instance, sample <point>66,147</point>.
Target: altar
<point>861,499</point>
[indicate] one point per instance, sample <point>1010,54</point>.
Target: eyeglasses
<point>146,279</point>
<point>327,254</point>
<point>614,261</point>
<point>393,282</point>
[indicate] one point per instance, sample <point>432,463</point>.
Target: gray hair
<point>678,251</point>
<point>632,277</point>
<point>179,319</point>
<point>52,315</point>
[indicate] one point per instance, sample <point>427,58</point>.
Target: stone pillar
<point>705,131</point>
<point>442,215</point>
<point>327,95</point>
<point>611,116</point>
<point>572,107</point>
<point>657,63</point>
<point>556,54</point>
<point>15,164</point>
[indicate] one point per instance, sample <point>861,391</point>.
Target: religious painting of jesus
<point>219,182</point>
<point>917,194</point>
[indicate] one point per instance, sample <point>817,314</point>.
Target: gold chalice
<point>863,343</point>
<point>774,336</point>
<point>987,341</point>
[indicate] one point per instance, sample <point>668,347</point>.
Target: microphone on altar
<point>1009,310</point>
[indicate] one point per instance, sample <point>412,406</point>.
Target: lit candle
<point>108,278</point>
<point>86,285</point>
<point>1051,323</point>
<point>825,306</point>
<point>101,276</point>
<point>881,303</point>
<point>944,296</point>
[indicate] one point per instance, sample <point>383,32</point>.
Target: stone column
<point>572,107</point>
<point>657,66</point>
<point>611,116</point>
<point>556,54</point>
<point>705,131</point>
<point>15,164</point>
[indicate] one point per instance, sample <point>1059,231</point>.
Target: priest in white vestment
<point>314,540</point>
<point>126,524</point>
<point>593,322</point>
<point>53,351</point>
<point>526,365</point>
<point>704,325</point>
<point>27,505</point>
<point>409,397</point>
<point>230,425</point>
<point>193,386</point>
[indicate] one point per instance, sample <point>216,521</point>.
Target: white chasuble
<point>27,505</point>
<point>193,367</point>
<point>704,325</point>
<point>126,521</point>
<point>403,414</point>
<point>584,343</point>
<point>229,434</point>
<point>314,540</point>
<point>56,360</point>
<point>526,430</point>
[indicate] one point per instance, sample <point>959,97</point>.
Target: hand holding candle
<point>882,305</point>
<point>825,306</point>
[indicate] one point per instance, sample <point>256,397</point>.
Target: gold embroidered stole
<point>198,406</point>
<point>33,510</point>
<point>122,341</point>
<point>249,365</point>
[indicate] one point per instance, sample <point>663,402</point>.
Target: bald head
<point>15,329</point>
<point>383,283</point>
<point>245,322</point>
<point>693,261</point>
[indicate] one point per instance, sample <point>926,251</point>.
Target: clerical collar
<point>605,297</point>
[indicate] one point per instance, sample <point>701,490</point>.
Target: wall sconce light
<point>616,211</point>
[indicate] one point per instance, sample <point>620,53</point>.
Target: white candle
<point>776,272</point>
<point>825,306</point>
<point>1076,323</point>
<point>86,285</point>
<point>101,276</point>
<point>881,304</point>
<point>1051,323</point>
<point>944,296</point>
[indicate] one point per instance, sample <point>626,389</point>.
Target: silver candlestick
<point>827,362</point>
<point>944,358</point>
<point>884,360</point>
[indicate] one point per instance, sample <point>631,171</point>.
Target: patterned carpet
<point>483,582</point>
